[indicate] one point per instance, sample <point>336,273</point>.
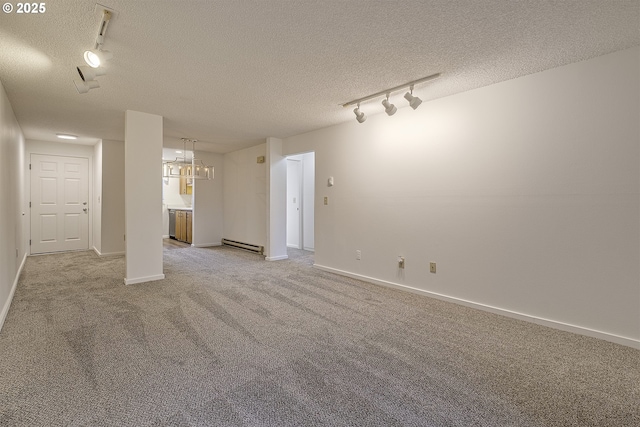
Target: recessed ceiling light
<point>66,136</point>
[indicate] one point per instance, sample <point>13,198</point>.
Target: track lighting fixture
<point>84,87</point>
<point>360,117</point>
<point>88,73</point>
<point>389,108</point>
<point>414,101</point>
<point>96,57</point>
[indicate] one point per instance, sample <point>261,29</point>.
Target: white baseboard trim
<point>7,304</point>
<point>165,236</point>
<point>309,249</point>
<point>206,245</point>
<point>107,253</point>
<point>580,330</point>
<point>277,258</point>
<point>143,279</point>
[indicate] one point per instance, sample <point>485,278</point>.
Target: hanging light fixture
<point>185,167</point>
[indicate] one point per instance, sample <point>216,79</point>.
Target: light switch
<point>326,200</point>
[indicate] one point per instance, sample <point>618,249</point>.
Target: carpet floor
<point>228,339</point>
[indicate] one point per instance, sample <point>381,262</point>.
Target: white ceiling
<point>231,72</point>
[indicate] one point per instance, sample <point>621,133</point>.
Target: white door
<point>294,186</point>
<point>59,203</point>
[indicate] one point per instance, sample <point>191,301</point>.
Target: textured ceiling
<point>231,73</point>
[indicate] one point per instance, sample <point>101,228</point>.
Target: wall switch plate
<point>358,254</point>
<point>432,267</point>
<point>326,200</point>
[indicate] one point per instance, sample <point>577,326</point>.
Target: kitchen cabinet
<point>184,226</point>
<point>186,184</point>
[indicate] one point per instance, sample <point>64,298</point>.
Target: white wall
<point>244,187</point>
<point>308,200</point>
<point>112,201</point>
<point>143,197</point>
<point>525,193</point>
<point>208,210</point>
<point>13,220</point>
<point>96,208</point>
<point>276,220</point>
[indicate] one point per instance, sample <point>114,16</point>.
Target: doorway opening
<point>300,202</point>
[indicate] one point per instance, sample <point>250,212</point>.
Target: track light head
<point>84,87</point>
<point>88,73</point>
<point>414,101</point>
<point>389,108</point>
<point>96,57</point>
<point>360,117</point>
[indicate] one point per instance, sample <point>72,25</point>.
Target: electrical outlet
<point>432,267</point>
<point>400,262</point>
<point>358,254</point>
<point>326,200</point>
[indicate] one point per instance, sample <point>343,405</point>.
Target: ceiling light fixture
<point>391,109</point>
<point>66,136</point>
<point>96,56</point>
<point>360,117</point>
<point>84,87</point>
<point>183,167</point>
<point>414,101</point>
<point>88,73</point>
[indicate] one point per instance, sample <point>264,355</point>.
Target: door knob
<point>85,209</point>
<point>84,203</point>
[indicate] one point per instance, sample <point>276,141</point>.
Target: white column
<point>276,201</point>
<point>143,197</point>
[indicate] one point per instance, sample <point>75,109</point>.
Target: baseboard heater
<point>246,246</point>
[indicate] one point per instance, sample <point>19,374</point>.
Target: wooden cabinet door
<point>178,225</point>
<point>186,184</point>
<point>189,226</point>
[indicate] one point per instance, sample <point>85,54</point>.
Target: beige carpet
<point>228,339</point>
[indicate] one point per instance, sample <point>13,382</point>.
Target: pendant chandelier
<point>185,167</point>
